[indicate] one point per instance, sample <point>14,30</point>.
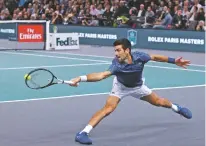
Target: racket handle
<point>69,82</point>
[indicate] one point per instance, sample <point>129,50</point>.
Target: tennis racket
<point>41,78</point>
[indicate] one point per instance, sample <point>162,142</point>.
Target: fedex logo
<point>67,42</point>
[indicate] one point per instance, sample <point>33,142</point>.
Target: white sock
<point>87,129</point>
<point>175,108</point>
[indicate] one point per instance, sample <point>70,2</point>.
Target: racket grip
<point>69,82</point>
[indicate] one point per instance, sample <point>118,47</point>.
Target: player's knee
<point>108,109</point>
<point>159,102</point>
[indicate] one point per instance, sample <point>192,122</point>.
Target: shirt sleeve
<point>163,21</point>
<point>145,57</point>
<point>113,68</point>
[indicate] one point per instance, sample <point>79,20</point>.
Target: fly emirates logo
<point>30,33</point>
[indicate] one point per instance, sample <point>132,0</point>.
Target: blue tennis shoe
<point>184,112</point>
<point>83,138</point>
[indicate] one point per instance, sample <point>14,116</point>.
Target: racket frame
<point>59,81</point>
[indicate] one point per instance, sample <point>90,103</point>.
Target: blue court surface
<point>52,116</point>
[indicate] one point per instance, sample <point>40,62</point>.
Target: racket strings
<point>39,79</point>
<point>34,83</point>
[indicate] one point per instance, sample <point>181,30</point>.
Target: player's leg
<point>108,108</point>
<point>146,94</point>
<point>112,101</point>
<point>156,100</point>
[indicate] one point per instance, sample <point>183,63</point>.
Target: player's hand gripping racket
<point>41,78</point>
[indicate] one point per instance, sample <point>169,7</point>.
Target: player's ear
<point>127,51</point>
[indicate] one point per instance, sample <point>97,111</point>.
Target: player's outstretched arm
<point>93,77</point>
<point>178,61</point>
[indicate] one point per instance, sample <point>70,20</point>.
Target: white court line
<point>93,94</point>
<point>51,66</point>
<point>192,70</point>
<point>68,58</point>
<point>97,56</point>
<point>101,61</point>
<point>5,48</point>
<point>179,87</point>
<point>199,65</point>
<point>74,65</point>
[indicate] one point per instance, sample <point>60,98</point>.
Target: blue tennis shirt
<point>130,75</point>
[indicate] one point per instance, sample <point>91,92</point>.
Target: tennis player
<point>128,67</point>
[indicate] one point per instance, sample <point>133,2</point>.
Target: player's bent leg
<point>155,100</point>
<point>111,104</point>
<point>108,108</point>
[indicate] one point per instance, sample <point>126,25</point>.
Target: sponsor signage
<point>30,33</point>
<point>65,41</point>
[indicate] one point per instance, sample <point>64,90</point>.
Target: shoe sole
<point>83,143</point>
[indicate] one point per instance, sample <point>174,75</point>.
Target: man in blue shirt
<point>127,67</point>
<point>167,20</point>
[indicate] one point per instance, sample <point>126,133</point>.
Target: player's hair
<point>124,42</point>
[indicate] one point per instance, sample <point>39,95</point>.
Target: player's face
<point>120,53</point>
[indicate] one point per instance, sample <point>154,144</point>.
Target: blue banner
<point>178,40</point>
<point>172,40</point>
<point>90,35</point>
<point>8,30</point>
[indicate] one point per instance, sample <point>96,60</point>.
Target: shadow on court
<point>134,123</point>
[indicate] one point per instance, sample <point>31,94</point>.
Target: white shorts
<point>122,91</point>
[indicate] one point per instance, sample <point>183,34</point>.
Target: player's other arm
<point>161,58</point>
<point>92,77</point>
<point>178,61</point>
